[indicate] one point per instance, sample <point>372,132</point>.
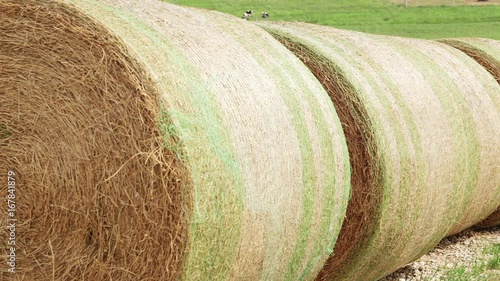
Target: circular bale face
<point>97,192</point>
<point>426,117</point>
<point>164,143</point>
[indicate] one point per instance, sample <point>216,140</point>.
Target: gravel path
<point>464,249</point>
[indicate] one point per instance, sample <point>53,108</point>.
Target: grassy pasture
<point>438,19</point>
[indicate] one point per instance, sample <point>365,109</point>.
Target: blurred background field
<point>428,19</point>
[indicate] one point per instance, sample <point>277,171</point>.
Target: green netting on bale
<point>487,53</point>
<point>158,142</point>
<point>421,122</point>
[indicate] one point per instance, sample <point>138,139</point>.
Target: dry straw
<point>421,121</point>
<point>487,53</point>
<point>154,142</point>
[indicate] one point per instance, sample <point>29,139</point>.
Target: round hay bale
<point>487,53</point>
<point>151,141</point>
<point>421,122</point>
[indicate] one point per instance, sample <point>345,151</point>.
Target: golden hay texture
<point>487,53</point>
<point>421,121</point>
<point>154,142</point>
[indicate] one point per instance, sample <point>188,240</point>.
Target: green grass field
<point>439,19</point>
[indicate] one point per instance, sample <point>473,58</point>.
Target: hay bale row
<point>487,53</point>
<point>156,142</point>
<point>153,141</point>
<point>421,122</point>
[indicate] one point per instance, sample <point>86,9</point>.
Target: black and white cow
<point>247,14</point>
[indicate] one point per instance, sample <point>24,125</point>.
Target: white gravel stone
<point>463,249</point>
